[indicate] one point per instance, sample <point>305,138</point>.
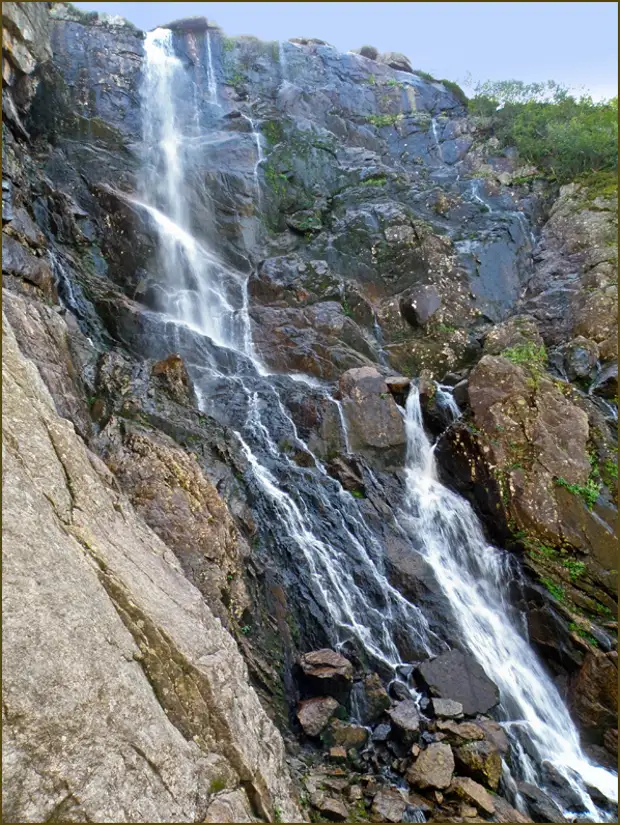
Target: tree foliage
<point>563,135</point>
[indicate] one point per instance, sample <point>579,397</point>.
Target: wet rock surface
<point>372,249</point>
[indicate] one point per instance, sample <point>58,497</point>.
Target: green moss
<point>576,569</point>
<point>610,468</point>
<point>374,180</point>
<point>384,120</point>
<point>529,356</point>
<point>581,631</point>
<point>556,590</point>
<point>218,784</point>
<point>589,493</point>
<point>346,309</point>
<point>599,185</point>
<point>228,44</point>
<point>395,83</point>
<point>277,813</point>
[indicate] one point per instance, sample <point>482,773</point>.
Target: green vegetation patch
<point>384,120</point>
<point>529,356</point>
<point>588,492</point>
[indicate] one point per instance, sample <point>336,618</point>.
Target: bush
<point>370,52</point>
<point>456,90</point>
<point>564,136</point>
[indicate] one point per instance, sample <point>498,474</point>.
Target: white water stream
<point>328,535</point>
<point>475,578</point>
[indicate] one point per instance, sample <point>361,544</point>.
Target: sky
<point>574,43</point>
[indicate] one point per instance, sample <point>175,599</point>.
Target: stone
<point>388,806</point>
<point>473,793</point>
<point>172,374</point>
<point>541,807</point>
<point>375,425</point>
<point>333,809</point>
<point>338,754</point>
<point>459,677</point>
<point>346,735</point>
<point>191,25</point>
<point>461,731</point>
<point>314,714</point>
<point>381,733</point>
<point>405,717</point>
<point>370,52</point>
<point>580,357</point>
<point>113,627</point>
<point>446,708</point>
<point>504,812</point>
<point>233,806</point>
<point>515,331</point>
<point>419,305</point>
<point>327,672</point>
<point>495,734</point>
<point>376,697</point>
<point>396,60</point>
<point>481,761</point>
<point>433,768</point>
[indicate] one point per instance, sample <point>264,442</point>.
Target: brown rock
<point>473,793</point>
<point>388,806</point>
<point>377,699</point>
<point>433,768</point>
<point>314,714</point>
<point>333,809</point>
<point>518,330</point>
<point>610,740</point>
<point>463,731</point>
<point>593,693</point>
<point>494,732</point>
<point>481,761</point>
<point>173,376</point>
<point>338,754</point>
<point>327,672</point>
<point>347,736</point>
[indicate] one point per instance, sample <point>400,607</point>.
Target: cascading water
<point>338,560</point>
<point>200,294</point>
<point>211,81</point>
<point>474,577</point>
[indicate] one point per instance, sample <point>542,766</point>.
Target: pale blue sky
<point>574,43</point>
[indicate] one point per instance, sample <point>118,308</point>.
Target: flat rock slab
<point>406,716</point>
<point>447,709</point>
<point>459,677</point>
<point>433,768</point>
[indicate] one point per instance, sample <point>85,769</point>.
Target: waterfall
<point>318,527</point>
<point>211,82</point>
<point>259,155</point>
<point>475,577</point>
<point>338,557</point>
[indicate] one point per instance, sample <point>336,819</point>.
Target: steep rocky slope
<point>374,233</point>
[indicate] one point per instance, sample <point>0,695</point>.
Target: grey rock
<point>420,304</point>
<point>405,716</point>
<point>433,768</point>
<point>457,676</point>
<point>447,709</point>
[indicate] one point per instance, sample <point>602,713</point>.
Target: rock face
<point>140,662</point>
<point>457,676</point>
<point>195,506</point>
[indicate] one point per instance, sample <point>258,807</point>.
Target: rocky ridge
<point>366,258</point>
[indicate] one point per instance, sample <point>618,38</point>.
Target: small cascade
<point>475,577</point>
<point>260,157</point>
<point>343,425</point>
<point>378,333</point>
<point>436,139</point>
<point>211,81</point>
<point>475,195</point>
<point>446,402</point>
<point>282,59</point>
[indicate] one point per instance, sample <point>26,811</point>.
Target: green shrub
<point>425,76</point>
<point>556,590</point>
<point>576,569</point>
<point>370,52</point>
<point>384,120</point>
<point>456,90</point>
<point>529,356</point>
<point>560,134</point>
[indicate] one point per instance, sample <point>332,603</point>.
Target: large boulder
<point>314,714</point>
<point>594,694</point>
<point>405,717</point>
<point>396,60</point>
<point>326,672</point>
<point>481,761</point>
<point>433,768</point>
<point>458,676</point>
<point>375,425</point>
<point>388,806</point>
